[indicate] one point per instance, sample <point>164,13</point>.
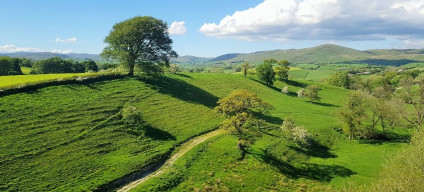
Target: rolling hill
<point>72,137</point>
<point>323,54</point>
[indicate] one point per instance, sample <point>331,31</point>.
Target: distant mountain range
<point>46,55</point>
<point>322,54</point>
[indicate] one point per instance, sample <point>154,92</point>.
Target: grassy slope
<point>215,164</point>
<point>48,141</point>
<point>56,124</point>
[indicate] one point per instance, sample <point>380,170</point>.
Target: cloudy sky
<point>213,27</point>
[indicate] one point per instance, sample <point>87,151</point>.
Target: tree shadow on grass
<point>158,134</point>
<point>270,86</point>
<point>150,132</point>
<point>388,137</point>
<point>324,104</point>
<point>322,173</point>
<point>183,75</point>
<point>315,149</point>
<point>268,118</point>
<point>295,83</point>
<point>181,90</point>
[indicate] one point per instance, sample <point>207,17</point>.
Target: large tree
<point>142,41</point>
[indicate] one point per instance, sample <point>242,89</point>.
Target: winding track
<point>184,148</point>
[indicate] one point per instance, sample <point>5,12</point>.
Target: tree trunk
<point>131,71</point>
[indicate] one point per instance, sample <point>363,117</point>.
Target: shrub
<point>285,90</point>
<point>131,116</point>
<point>301,93</point>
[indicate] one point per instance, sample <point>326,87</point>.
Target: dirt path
<point>184,148</point>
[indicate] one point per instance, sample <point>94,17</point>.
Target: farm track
<point>184,148</point>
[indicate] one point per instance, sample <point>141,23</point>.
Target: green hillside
<point>72,138</point>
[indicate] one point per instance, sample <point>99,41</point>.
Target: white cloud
<point>14,48</point>
<point>323,20</point>
<point>411,44</point>
<point>70,40</point>
<point>177,28</point>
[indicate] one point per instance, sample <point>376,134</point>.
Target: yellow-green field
<point>15,80</point>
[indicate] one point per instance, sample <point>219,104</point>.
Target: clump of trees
<point>265,72</point>
<point>140,41</point>
<point>59,65</point>
<point>340,79</point>
<point>239,107</point>
<point>10,66</point>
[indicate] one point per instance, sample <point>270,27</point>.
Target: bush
<point>285,90</point>
<point>301,93</point>
<point>131,116</point>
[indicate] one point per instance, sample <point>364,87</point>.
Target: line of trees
<point>59,65</point>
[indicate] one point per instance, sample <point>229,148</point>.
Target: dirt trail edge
<point>184,148</point>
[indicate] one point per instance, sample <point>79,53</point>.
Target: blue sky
<point>215,27</point>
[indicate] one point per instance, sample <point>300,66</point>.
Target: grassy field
<point>71,137</point>
<point>16,80</point>
<point>333,163</point>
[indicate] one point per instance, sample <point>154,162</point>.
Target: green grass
<point>71,138</point>
<point>326,168</point>
<point>311,75</point>
<point>16,80</point>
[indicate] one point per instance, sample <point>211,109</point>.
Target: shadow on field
<point>181,90</point>
<point>295,83</point>
<point>315,149</point>
<point>388,137</point>
<point>183,75</point>
<point>268,118</point>
<point>270,86</point>
<point>151,132</point>
<point>157,134</point>
<point>324,104</point>
<point>322,173</point>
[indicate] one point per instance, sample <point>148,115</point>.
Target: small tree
<point>132,116</point>
<point>301,93</point>
<point>244,68</point>
<point>238,107</point>
<point>285,90</point>
<point>295,132</point>
<point>282,70</point>
<point>265,72</point>
<point>173,68</point>
<point>353,113</point>
<point>142,41</point>
<point>311,92</point>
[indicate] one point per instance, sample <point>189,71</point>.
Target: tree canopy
<point>9,66</point>
<point>140,41</point>
<point>265,72</point>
